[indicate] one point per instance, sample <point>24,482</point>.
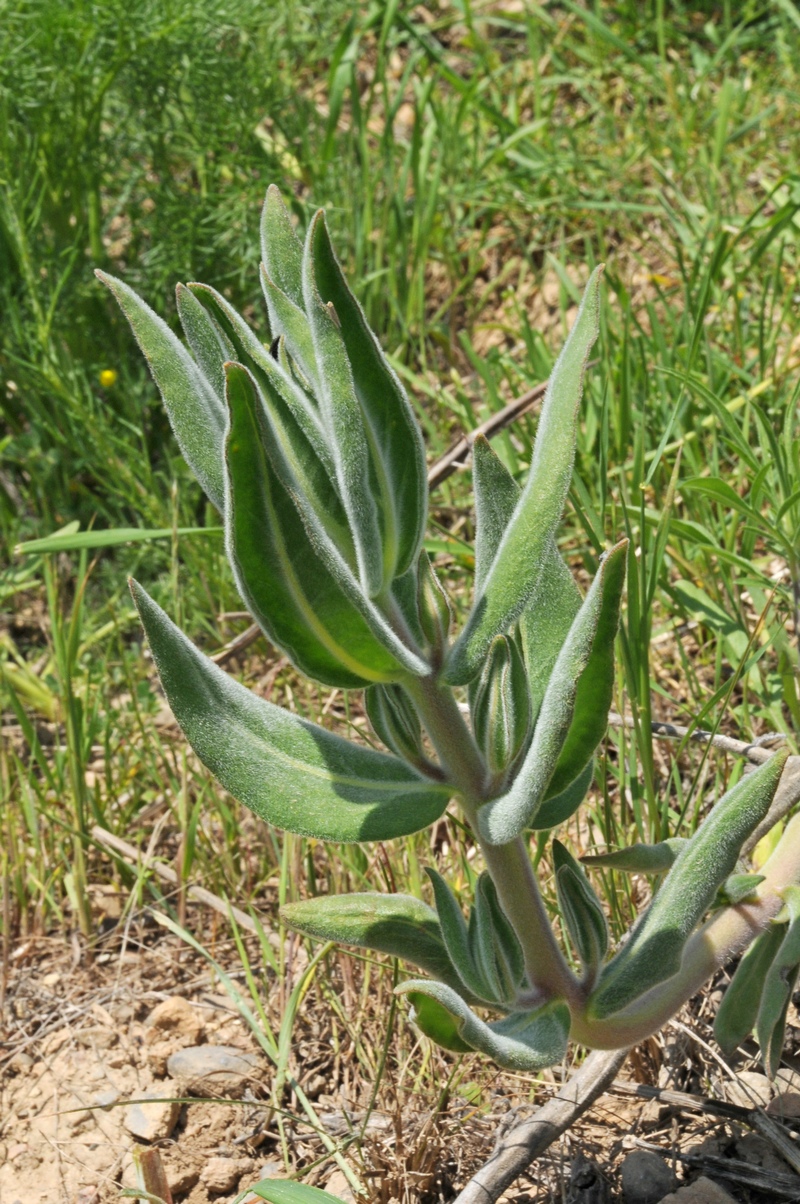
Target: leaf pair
<point>654,951</point>
<point>486,953</point>
<point>581,911</point>
<point>292,773</point>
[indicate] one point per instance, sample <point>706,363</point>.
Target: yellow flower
<point>108,378</point>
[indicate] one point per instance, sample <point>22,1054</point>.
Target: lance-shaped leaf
<point>778,987</point>
<point>496,944</point>
<point>736,1016</point>
<point>737,888</point>
<point>282,580</point>
<point>640,858</point>
<point>511,581</point>
<point>456,937</point>
<point>433,606</point>
<point>655,948</point>
<point>317,531</point>
<point>580,909</point>
<point>357,472</point>
<point>560,807</point>
<point>399,925</point>
<point>210,346</point>
<point>522,1041</point>
<point>292,773</point>
<point>504,818</point>
<point>196,413</point>
<point>269,373</point>
<point>500,706</point>
<point>545,624</point>
<point>396,722</point>
<point>281,249</point>
<point>290,322</point>
<point>596,682</point>
<point>393,432</point>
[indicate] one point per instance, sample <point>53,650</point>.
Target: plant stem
<point>727,933</point>
<point>508,864</point>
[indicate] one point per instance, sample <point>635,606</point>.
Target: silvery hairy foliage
<point>305,441</point>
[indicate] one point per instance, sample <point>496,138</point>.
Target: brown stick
<point>757,752</point>
<point>167,874</point>
<point>452,459</point>
<point>526,1141</point>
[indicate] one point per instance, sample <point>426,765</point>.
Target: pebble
<point>338,1186</point>
<point>646,1178</point>
<point>213,1071</point>
<point>786,1103</point>
<point>751,1090</point>
<point>220,1175</point>
<point>702,1191</point>
<point>151,1117</point>
<point>174,1017</point>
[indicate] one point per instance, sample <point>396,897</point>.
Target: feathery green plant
<point>309,448</point>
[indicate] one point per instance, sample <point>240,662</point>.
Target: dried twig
<point>166,873</point>
<point>517,1149</point>
<point>237,644</point>
<point>756,751</point>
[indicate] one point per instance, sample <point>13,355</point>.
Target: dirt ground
<point>85,1033</point>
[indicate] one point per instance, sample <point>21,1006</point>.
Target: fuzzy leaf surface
<point>507,816</point>
<point>206,338</point>
<point>515,571</point>
<point>292,773</point>
<point>281,249</point>
<point>356,470</point>
<point>400,925</point>
<point>654,950</point>
<point>393,432</point>
<point>522,1041</point>
<point>640,858</point>
<point>778,987</point>
<point>282,580</point>
<point>580,908</point>
<point>736,1015</point>
<point>560,807</point>
<point>196,413</point>
<point>456,936</point>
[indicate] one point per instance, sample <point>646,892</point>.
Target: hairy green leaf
<point>400,925</point>
<point>655,948</point>
<point>434,1020</point>
<point>737,888</point>
<point>196,413</point>
<point>522,1041</point>
<point>580,909</point>
<point>778,987</point>
<point>640,858</point>
<point>292,773</point>
<point>210,346</point>
<point>356,469</point>
<point>456,937</point>
<point>507,816</point>
<point>736,1016</point>
<point>281,249</point>
<point>500,705</point>
<point>510,582</point>
<point>277,1191</point>
<point>393,432</point>
<point>282,580</point>
<point>560,807</point>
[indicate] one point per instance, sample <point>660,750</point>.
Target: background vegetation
<point>476,159</point>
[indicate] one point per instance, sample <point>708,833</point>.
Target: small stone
<point>702,1191</point>
<point>173,1017</point>
<point>151,1117</point>
<point>338,1186</point>
<point>223,1174</point>
<point>214,1071</point>
<point>751,1090</point>
<point>646,1178</point>
<point>182,1169</point>
<point>786,1103</point>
